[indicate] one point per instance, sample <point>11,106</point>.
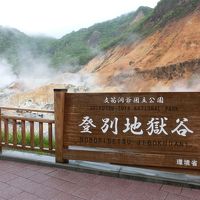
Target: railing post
<point>59,105</point>
<point>6,131</point>
<point>0,133</point>
<point>50,136</point>
<point>23,132</point>
<point>14,132</point>
<point>32,136</point>
<point>41,135</point>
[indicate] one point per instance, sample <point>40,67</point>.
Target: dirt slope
<point>177,42</point>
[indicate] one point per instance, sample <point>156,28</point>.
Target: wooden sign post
<point>0,133</point>
<point>142,129</point>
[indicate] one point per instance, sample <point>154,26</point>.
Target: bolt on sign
<point>142,129</point>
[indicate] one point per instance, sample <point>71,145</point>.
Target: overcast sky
<point>58,17</point>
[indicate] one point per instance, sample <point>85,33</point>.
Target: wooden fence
<point>154,130</point>
<point>19,131</point>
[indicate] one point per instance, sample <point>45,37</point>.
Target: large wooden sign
<point>143,129</point>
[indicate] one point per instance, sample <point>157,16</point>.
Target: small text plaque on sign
<point>143,129</point>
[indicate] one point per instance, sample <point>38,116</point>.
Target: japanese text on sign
<point>154,126</point>
<point>186,162</point>
<point>133,100</point>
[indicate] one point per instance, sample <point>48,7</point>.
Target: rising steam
<point>7,75</point>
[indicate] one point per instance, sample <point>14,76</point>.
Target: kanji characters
<point>179,161</point>
<point>113,100</point>
<point>194,163</point>
<point>133,100</point>
<point>86,124</point>
<point>160,100</point>
<point>182,129</point>
<point>128,100</point>
<point>156,126</point>
<point>152,100</point>
<point>106,100</point>
<point>136,100</point>
<point>144,100</point>
<point>120,100</point>
<point>133,127</point>
<point>108,123</point>
<point>186,162</point>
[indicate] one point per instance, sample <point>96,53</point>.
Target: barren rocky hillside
<point>161,53</point>
<point>169,55</point>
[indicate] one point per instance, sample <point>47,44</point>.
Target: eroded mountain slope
<point>177,42</point>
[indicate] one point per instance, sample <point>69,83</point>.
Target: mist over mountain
<point>145,50</point>
<point>74,49</point>
<point>19,49</point>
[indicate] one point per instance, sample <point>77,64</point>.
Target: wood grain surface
<point>144,129</point>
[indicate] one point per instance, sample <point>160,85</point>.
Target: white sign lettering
<point>134,100</point>
<point>186,162</point>
<point>133,127</point>
<point>112,124</point>
<point>182,129</point>
<point>87,122</point>
<point>154,126</point>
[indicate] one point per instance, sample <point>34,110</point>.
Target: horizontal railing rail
<point>26,110</point>
<point>27,133</point>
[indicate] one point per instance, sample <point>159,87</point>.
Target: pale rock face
<point>177,42</point>
<point>167,60</point>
